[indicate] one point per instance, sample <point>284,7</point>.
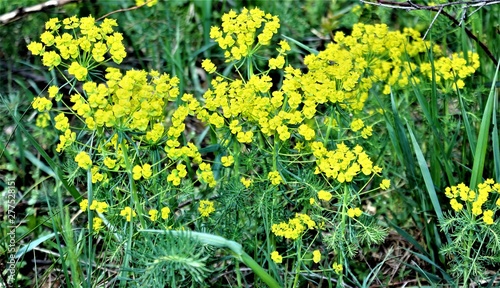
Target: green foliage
<point>283,149</point>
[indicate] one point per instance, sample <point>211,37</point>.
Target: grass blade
<point>482,138</point>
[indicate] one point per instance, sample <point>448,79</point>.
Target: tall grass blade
<point>426,175</point>
<point>482,139</point>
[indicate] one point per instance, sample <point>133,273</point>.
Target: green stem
<point>257,269</point>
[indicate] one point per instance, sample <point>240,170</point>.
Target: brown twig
<point>20,12</point>
<point>439,8</point>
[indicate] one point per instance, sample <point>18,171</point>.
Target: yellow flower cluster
<point>206,208</point>
<point>239,32</point>
<point>295,227</point>
<point>275,177</point>
<point>128,213</point>
<point>454,69</point>
<point>342,164</point>
<point>83,160</point>
<point>59,45</point>
<point>153,213</point>
<point>354,212</point>
<point>337,267</point>
<point>461,195</point>
<point>276,257</point>
<point>316,256</point>
<point>144,171</point>
<point>98,206</point>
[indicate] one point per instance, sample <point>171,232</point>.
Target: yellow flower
<point>227,160</point>
<point>128,213</point>
<point>385,184</point>
<point>153,214</point>
<point>275,177</point>
<point>97,224</point>
<point>316,256</point>
<point>246,182</point>
<point>78,71</point>
<point>208,66</point>
<point>164,212</point>
<point>324,195</point>
<point>102,207</point>
<point>83,160</point>
<point>84,204</point>
<point>337,268</point>
<point>488,217</point>
<point>206,208</point>
<point>312,201</point>
<point>354,212</point>
<point>110,163</point>
<point>357,124</point>
<point>276,257</point>
<point>35,48</point>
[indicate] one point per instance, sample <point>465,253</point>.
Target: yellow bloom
<point>354,212</point>
<point>208,66</point>
<point>102,207</point>
<point>97,224</point>
<point>385,184</point>
<point>246,182</point>
<point>275,177</point>
<point>337,268</point>
<point>206,208</point>
<point>83,160</point>
<point>153,214</point>
<point>164,212</point>
<point>316,256</point>
<point>488,217</point>
<point>78,71</point>
<point>128,213</point>
<point>324,195</point>
<point>227,160</point>
<point>84,204</point>
<point>35,48</point>
<point>276,257</point>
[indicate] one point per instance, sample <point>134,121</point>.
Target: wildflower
<point>35,48</point>
<point>101,207</point>
<point>206,208</point>
<point>227,160</point>
<point>97,224</point>
<point>43,120</point>
<point>276,257</point>
<point>164,212</point>
<point>385,184</point>
<point>312,201</point>
<point>78,71</point>
<point>109,162</point>
<point>41,104</point>
<point>128,213</point>
<point>455,205</point>
<point>153,214</point>
<point>324,195</point>
<point>246,182</point>
<point>294,228</point>
<point>316,256</point>
<point>357,125</point>
<point>356,212</point>
<point>488,217</point>
<point>208,66</point>
<point>84,204</point>
<point>275,177</point>
<point>337,267</point>
<point>83,160</point>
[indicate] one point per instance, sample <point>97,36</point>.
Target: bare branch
<point>439,8</point>
<point>19,12</point>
